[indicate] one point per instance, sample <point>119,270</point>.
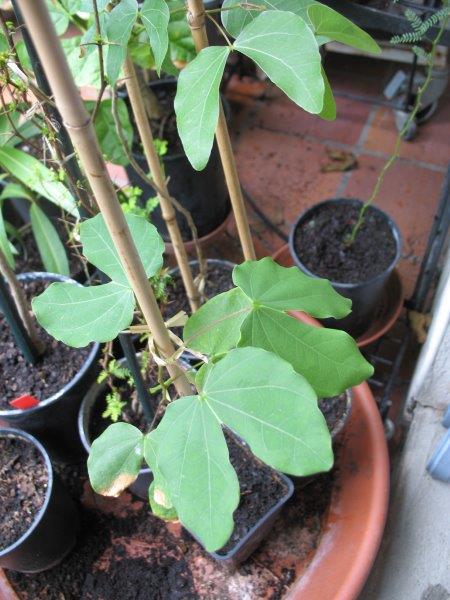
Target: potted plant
<point>39,519</point>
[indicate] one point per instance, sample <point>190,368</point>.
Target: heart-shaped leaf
<point>155,16</point>
<point>120,23</point>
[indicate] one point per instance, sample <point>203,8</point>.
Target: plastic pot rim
<point>86,365</point>
<point>12,432</point>
<point>353,201</point>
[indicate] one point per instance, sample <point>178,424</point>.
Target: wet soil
<point>23,486</point>
<point>320,243</point>
<point>55,368</point>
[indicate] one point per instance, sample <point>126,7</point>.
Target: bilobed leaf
<point>79,315</point>
<point>99,249</point>
<point>120,23</point>
<point>274,286</point>
<point>227,311</point>
<point>197,103</point>
<point>328,358</point>
<point>159,503</point>
<point>329,104</point>
<point>155,16</point>
<point>51,250</point>
<point>284,47</point>
<point>59,17</point>
<point>37,177</point>
<point>235,19</point>
<point>4,242</point>
<point>105,129</point>
<point>273,408</point>
<point>115,459</point>
<point>330,25</point>
<point>192,456</point>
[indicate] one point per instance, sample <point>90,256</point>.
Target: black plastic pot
<point>203,193</point>
<point>248,544</point>
<point>53,532</point>
<point>365,295</point>
<point>54,420</point>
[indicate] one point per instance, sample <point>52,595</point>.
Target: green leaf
<point>329,105</point>
<point>51,249</point>
<point>197,103</point>
<point>155,16</point>
<point>120,23</point>
<point>192,456</point>
<point>235,19</point>
<point>105,129</point>
<point>329,359</point>
<point>231,308</point>
<point>273,408</point>
<point>14,190</point>
<point>284,47</point>
<point>274,286</point>
<point>72,6</point>
<point>34,175</point>
<point>99,249</point>
<point>5,246</point>
<point>79,315</point>
<point>330,25</point>
<point>160,502</point>
<point>58,16</point>
<point>84,64</point>
<point>115,459</point>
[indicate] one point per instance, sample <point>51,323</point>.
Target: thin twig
<point>99,44</point>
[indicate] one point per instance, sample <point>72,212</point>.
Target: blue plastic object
<point>446,419</point>
<point>439,465</point>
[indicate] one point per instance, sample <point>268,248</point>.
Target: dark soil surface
<point>29,258</point>
<point>218,280</point>
<point>320,244</point>
<point>261,488</point>
<point>124,553</point>
<point>58,365</point>
<point>333,409</point>
<point>23,486</point>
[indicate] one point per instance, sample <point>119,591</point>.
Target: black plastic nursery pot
<point>365,295</point>
<point>203,193</point>
<point>54,420</point>
<point>53,531</point>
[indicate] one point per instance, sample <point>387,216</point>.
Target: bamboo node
<point>196,21</point>
<point>78,127</point>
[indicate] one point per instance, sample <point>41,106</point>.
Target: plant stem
<point>396,152</point>
<point>100,60</point>
<point>20,319</point>
<point>196,20</point>
<point>79,125</point>
<point>156,171</point>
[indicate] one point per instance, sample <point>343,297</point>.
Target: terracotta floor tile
<point>410,194</point>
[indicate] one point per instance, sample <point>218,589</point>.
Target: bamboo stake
<point>78,123</point>
<point>168,211</point>
<point>196,19</point>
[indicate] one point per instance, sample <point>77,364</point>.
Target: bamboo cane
<point>78,123</point>
<point>168,211</point>
<point>196,19</point>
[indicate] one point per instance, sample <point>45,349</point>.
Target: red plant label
<point>24,402</point>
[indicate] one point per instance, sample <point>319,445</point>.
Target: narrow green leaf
<point>99,249</point>
<point>51,250</point>
<point>5,246</point>
<point>79,315</point>
<point>284,47</point>
<point>331,25</point>
<point>34,175</point>
<point>192,456</point>
<point>329,104</point>
<point>216,326</point>
<point>197,103</point>
<point>14,190</point>
<point>155,16</point>
<point>269,284</point>
<point>273,408</point>
<point>58,16</point>
<point>329,359</point>
<point>115,459</point>
<point>120,23</point>
<point>105,129</point>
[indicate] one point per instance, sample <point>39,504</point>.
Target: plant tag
<point>24,402</point>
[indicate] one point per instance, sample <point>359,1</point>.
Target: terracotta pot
<point>388,312</point>
<point>209,238</point>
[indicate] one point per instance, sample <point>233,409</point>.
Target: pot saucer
<point>387,312</point>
